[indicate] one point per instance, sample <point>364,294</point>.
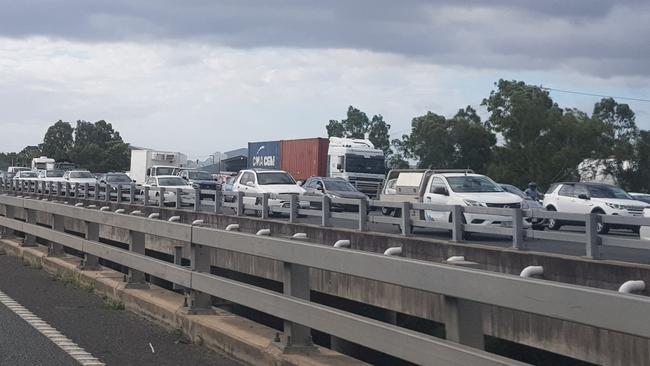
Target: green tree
<point>26,155</point>
<point>99,148</point>
<point>58,141</point>
<point>357,125</point>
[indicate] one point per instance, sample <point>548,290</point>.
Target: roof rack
<point>441,171</point>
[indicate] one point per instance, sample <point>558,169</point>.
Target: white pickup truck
<point>449,187</point>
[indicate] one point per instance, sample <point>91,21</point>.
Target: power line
<point>594,95</point>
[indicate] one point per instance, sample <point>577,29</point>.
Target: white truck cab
<point>42,163</point>
<point>358,162</point>
<point>149,163</point>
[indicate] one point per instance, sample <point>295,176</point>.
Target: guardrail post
<point>464,318</point>
<point>58,224</point>
<point>76,190</point>
<point>240,203</point>
<point>197,199</point>
<point>136,279</point>
<point>67,189</point>
<point>199,303</point>
<point>107,192</point>
<point>518,229</point>
<point>293,208</point>
<point>145,197</point>
<point>97,188</point>
<point>296,284</point>
<point>91,262</point>
<point>118,196</point>
<point>86,191</point>
<point>132,193</point>
<point>457,223</point>
<point>49,191</point>
<point>265,206</point>
<point>363,214</point>
<point>30,218</point>
<point>161,197</point>
<point>10,211</point>
<point>218,200</point>
<point>178,260</point>
<point>326,205</point>
<point>179,202</point>
<point>592,247</point>
<point>406,218</point>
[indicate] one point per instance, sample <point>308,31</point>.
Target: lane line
<point>64,343</point>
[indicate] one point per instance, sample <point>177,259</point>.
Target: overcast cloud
<point>233,71</point>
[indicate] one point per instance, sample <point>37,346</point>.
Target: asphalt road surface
<point>116,337</point>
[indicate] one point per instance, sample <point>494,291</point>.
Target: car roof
<point>459,175</point>
<point>590,184</point>
<point>166,176</point>
<point>265,171</point>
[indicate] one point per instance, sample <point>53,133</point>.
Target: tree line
<point>526,137</point>
<point>93,146</point>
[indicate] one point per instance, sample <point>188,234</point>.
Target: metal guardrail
<point>573,303</point>
<point>265,205</point>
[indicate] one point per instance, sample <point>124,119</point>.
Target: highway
<point>114,336</point>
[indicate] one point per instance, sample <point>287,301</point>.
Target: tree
<point>58,141</point>
<point>357,125</point>
<point>98,147</point>
<point>460,142</point>
<point>26,155</point>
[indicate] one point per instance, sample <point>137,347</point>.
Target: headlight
<point>168,193</point>
<point>195,186</point>
<point>474,203</point>
<point>615,206</point>
<point>331,195</point>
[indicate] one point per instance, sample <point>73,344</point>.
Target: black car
<point>115,180</point>
<point>333,188</point>
<point>200,180</point>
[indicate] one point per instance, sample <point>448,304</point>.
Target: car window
<point>391,183</point>
<point>274,178</point>
<point>311,183</point>
<point>566,190</point>
<point>81,175</point>
<point>339,185</point>
<point>117,178</point>
<point>171,181</point>
<point>435,183</point>
<point>247,177</point>
<point>604,191</point>
<point>198,175</point>
<point>580,189</point>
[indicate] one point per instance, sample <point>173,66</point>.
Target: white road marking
<point>79,354</point>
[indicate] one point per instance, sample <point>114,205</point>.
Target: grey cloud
<point>512,34</point>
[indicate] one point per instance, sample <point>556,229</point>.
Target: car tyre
<point>553,224</point>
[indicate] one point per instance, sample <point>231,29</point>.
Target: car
<point>643,197</point>
<point>51,177</point>
<point>200,180</point>
<point>171,183</point>
<point>333,188</point>
<point>469,189</point>
<point>24,175</point>
<point>7,176</point>
<point>80,178</point>
<point>268,181</point>
<point>117,179</point>
<point>527,203</point>
<point>228,187</point>
<point>585,198</point>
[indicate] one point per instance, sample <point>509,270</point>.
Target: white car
<point>585,198</point>
<point>54,176</point>
<point>268,181</point>
<point>171,183</point>
<point>79,178</point>
<point>25,175</point>
<point>468,189</point>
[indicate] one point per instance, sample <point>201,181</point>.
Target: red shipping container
<point>304,158</point>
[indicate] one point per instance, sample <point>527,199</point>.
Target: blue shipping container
<point>264,155</point>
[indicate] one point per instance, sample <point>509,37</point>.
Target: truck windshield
<point>81,175</point>
<point>360,164</point>
<point>473,184</point>
<point>608,192</point>
<point>165,171</point>
<point>199,175</point>
<point>274,178</point>
<point>171,181</point>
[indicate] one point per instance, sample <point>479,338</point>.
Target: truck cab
<point>42,163</point>
<point>358,162</point>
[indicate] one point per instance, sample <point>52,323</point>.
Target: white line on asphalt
<point>63,342</point>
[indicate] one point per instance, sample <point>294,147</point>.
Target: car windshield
<point>54,173</point>
<point>474,184</point>
<point>171,181</point>
<point>81,175</point>
<point>608,192</point>
<point>514,190</point>
<point>339,185</point>
<point>165,171</point>
<point>360,164</point>
<point>643,198</point>
<point>199,175</point>
<point>118,178</point>
<point>25,174</point>
<point>274,178</point>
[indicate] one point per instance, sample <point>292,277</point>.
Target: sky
<point>201,76</point>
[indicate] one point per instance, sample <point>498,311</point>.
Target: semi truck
<point>150,163</point>
<point>355,160</point>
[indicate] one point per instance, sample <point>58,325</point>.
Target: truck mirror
<point>441,190</point>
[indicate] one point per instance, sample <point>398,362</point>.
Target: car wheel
<point>553,224</point>
<point>602,228</point>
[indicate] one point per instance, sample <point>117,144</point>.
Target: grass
<point>69,280</point>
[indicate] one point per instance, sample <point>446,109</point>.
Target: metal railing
<point>515,221</point>
<point>573,303</point>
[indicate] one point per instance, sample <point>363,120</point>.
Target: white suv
<point>585,198</point>
<point>469,190</point>
<point>268,181</point>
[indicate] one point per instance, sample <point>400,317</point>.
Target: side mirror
<point>319,188</point>
<point>299,183</point>
<point>250,184</point>
<point>583,196</point>
<point>441,190</point>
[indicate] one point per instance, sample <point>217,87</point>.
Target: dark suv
<point>202,180</point>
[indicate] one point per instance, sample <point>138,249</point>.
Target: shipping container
<point>304,158</point>
<point>264,155</point>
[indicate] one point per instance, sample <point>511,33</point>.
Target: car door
<point>243,186</point>
<point>581,205</point>
<point>437,193</point>
<point>564,200</point>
